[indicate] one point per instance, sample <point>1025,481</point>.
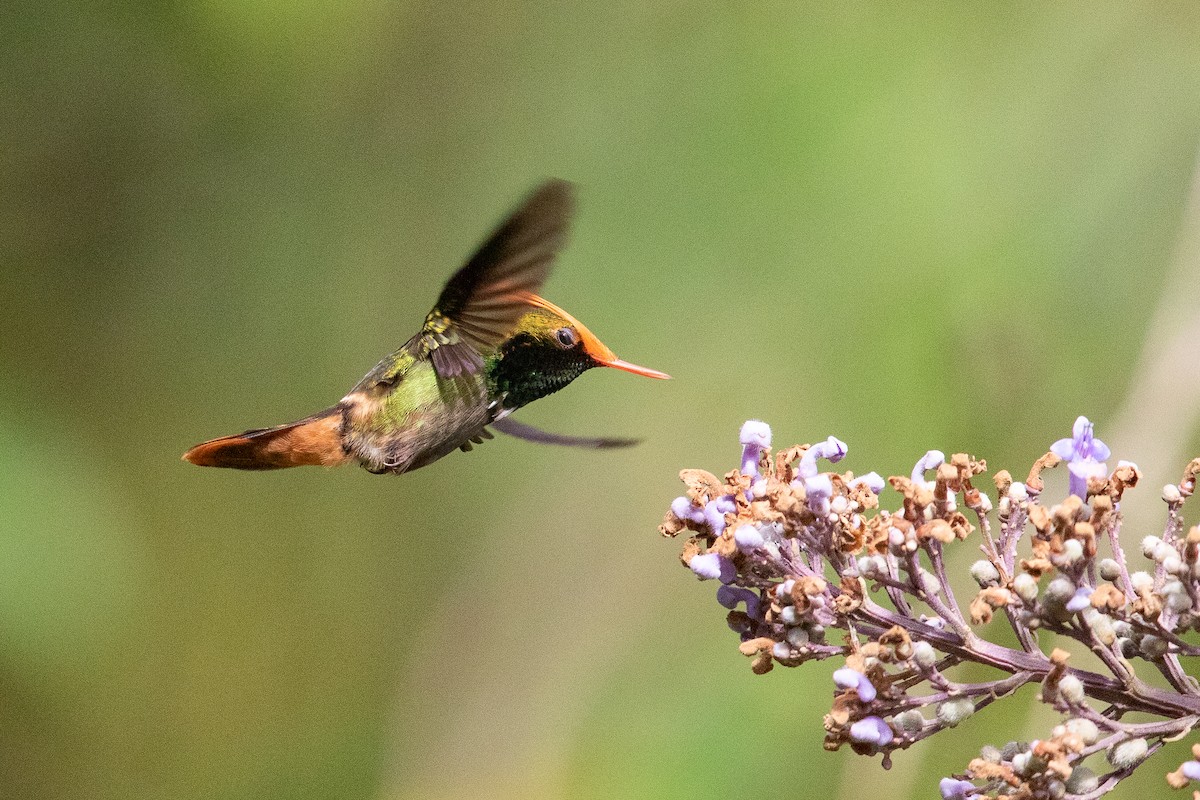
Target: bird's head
<point>548,349</point>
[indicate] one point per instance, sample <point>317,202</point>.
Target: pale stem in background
<point>1161,409</point>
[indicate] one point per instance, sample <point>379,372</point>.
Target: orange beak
<point>617,363</point>
<point>594,347</point>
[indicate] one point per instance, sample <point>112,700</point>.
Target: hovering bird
<point>489,346</point>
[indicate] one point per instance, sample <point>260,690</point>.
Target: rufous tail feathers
<point>314,441</point>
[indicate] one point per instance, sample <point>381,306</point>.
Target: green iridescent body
<point>403,415</point>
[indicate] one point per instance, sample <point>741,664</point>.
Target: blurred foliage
<point>911,225</point>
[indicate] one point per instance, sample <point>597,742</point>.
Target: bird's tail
<point>313,441</point>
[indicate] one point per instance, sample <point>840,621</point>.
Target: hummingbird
<point>490,345</point>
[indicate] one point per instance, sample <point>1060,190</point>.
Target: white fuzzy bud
<point>1056,789</point>
<point>1072,550</point>
<point>1020,763</point>
<point>1153,647</point>
<point>788,615</point>
<point>924,655</point>
<point>1010,750</point>
<point>985,503</point>
<point>1070,689</point>
<point>1164,551</point>
<point>1060,590</point>
<point>1149,544</point>
<point>1085,729</point>
<point>1004,509</point>
<point>1026,587</point>
<point>1109,570</point>
<point>1018,492</point>
<point>839,504</point>
<point>1173,564</point>
<point>1102,627</point>
<point>1127,754</point>
<point>781,651</point>
<point>984,572</point>
<point>1171,494</point>
<point>797,637</point>
<point>911,721</point>
<point>1141,580</point>
<point>955,710</point>
<point>1176,597</point>
<point>1082,781</point>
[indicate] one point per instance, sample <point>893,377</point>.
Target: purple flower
<point>682,507</point>
<point>931,460</point>
<point>1190,770</point>
<point>710,565</point>
<point>715,511</point>
<point>871,480</point>
<point>955,789</point>
<point>730,596</point>
<point>1085,456</point>
<point>818,488</point>
<point>1080,600</point>
<point>832,450</point>
<point>871,730</point>
<point>755,437</point>
<point>846,678</point>
<point>748,538</point>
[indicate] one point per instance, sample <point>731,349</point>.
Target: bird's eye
<point>567,337</point>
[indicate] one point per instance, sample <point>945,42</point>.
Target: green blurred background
<point>912,225</point>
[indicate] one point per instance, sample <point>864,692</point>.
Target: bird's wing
<point>522,431</point>
<point>482,302</point>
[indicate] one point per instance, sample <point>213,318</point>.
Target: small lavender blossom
<point>871,480</point>
<point>1085,456</point>
<point>1080,600</point>
<point>711,565</point>
<point>819,488</point>
<point>683,508</point>
<point>846,678</point>
<point>1190,770</point>
<point>730,596</point>
<point>715,511</point>
<point>755,437</point>
<point>955,789</point>
<point>872,730</point>
<point>832,450</point>
<point>931,460</point>
<point>748,538</point>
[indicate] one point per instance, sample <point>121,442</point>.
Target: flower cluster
<point>799,551</point>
